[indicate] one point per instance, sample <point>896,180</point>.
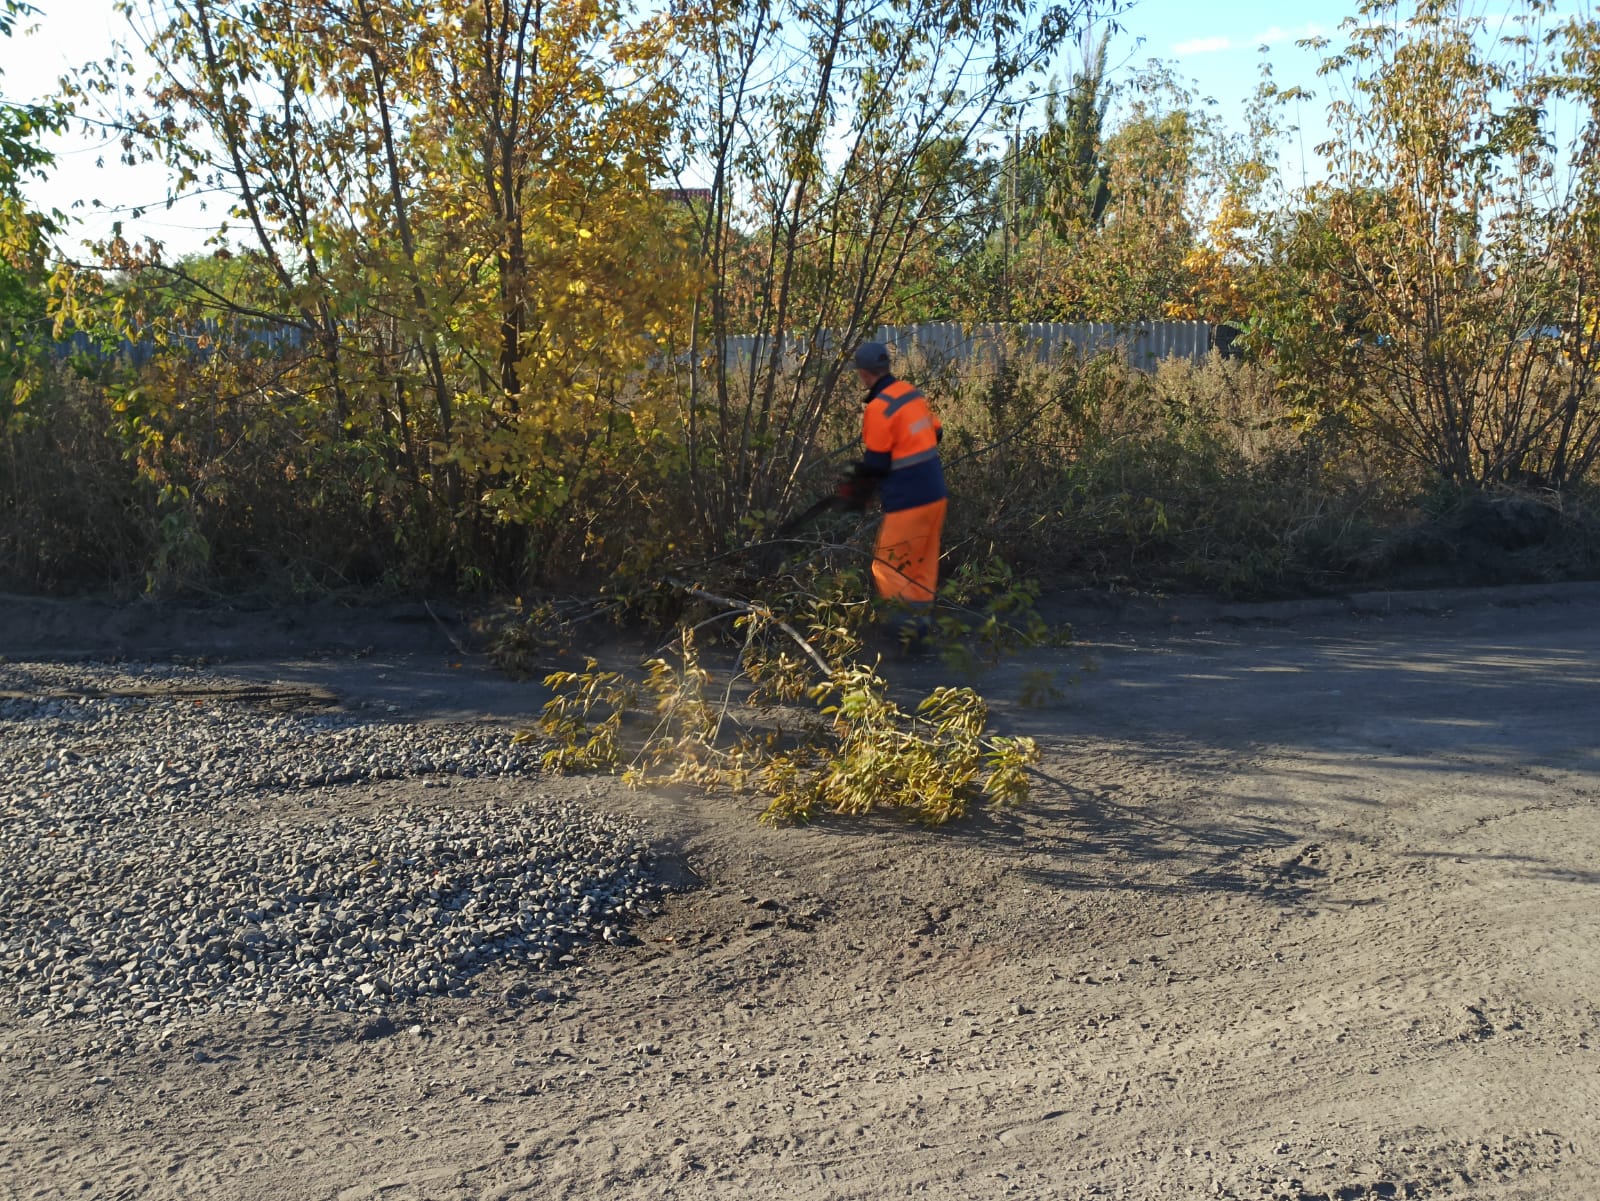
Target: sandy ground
<point>1304,907</point>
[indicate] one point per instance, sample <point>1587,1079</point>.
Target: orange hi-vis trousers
<point>905,562</point>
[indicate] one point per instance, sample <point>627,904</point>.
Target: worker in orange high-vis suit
<point>900,436</point>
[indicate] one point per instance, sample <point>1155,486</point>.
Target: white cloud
<point>1277,34</point>
<point>1203,46</point>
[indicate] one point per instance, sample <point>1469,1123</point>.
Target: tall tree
<point>449,200</point>
<point>1118,251</point>
<point>813,126</point>
<point>24,233</point>
<point>1071,147</point>
<point>1447,284</point>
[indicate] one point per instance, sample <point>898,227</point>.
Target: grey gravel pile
<point>171,856</point>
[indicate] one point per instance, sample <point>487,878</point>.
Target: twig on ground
<point>758,610</point>
<point>460,650</point>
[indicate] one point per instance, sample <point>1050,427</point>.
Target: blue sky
<point>1219,45</point>
<point>1214,45</point>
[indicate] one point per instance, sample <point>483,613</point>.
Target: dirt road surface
<point>1306,905</point>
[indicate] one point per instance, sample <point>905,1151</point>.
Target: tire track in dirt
<point>1313,931</point>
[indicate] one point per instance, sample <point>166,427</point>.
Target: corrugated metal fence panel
<point>1145,344</point>
<point>199,339</point>
<point>737,351</point>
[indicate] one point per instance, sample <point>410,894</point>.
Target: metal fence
<point>1145,343</point>
<point>199,340</point>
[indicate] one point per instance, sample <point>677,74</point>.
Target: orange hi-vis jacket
<point>900,435</point>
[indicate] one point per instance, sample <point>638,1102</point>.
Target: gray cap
<point>872,356</point>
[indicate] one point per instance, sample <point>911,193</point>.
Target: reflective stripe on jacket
<point>901,436</point>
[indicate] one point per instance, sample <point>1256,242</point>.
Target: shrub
<point>1195,478</point>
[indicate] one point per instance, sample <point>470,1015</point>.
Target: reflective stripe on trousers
<point>905,561</point>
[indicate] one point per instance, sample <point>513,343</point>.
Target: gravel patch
<point>168,849</point>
